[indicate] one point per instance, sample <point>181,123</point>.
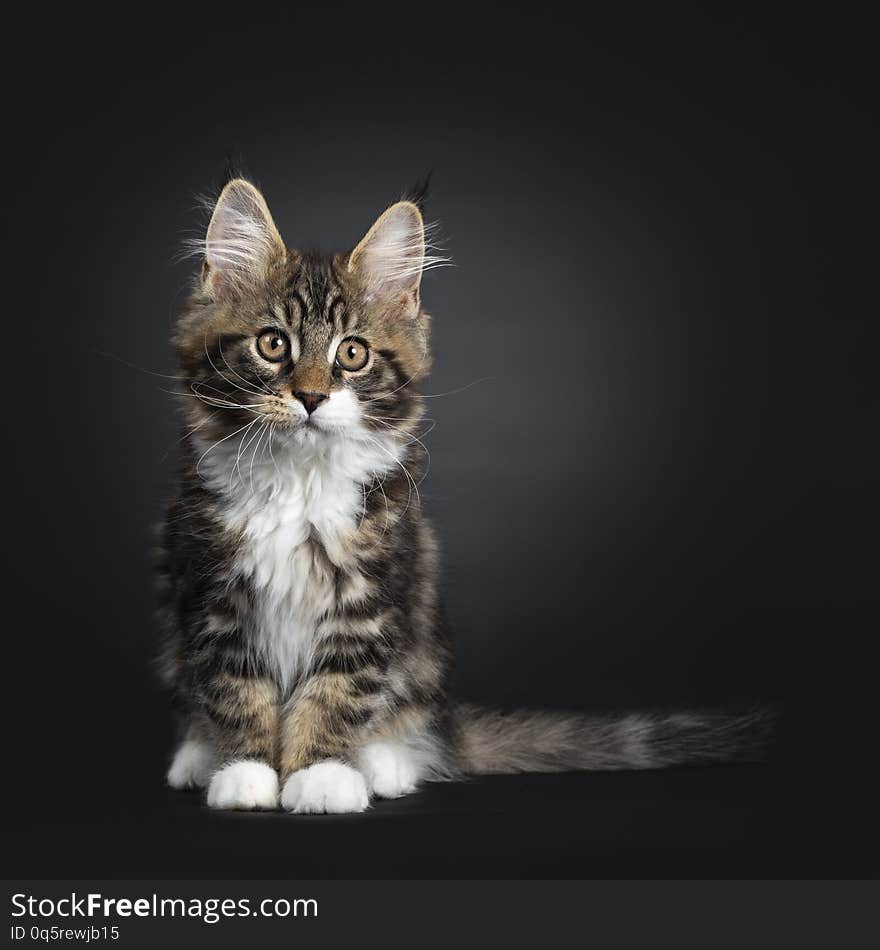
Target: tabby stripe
<point>231,718</point>
<point>302,305</point>
<point>356,655</point>
<point>332,307</point>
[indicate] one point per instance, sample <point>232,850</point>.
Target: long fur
<point>303,638</point>
<point>491,742</point>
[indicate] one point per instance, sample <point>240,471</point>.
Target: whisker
<point>380,486</point>
<point>259,382</point>
<point>405,471</point>
<point>140,369</point>
<point>242,448</point>
<point>461,389</point>
<point>218,442</point>
<point>222,402</point>
<point>250,392</point>
<point>200,384</point>
<point>363,504</point>
<point>271,453</point>
<point>263,428</point>
<point>404,384</point>
<point>412,439</point>
<point>187,434</point>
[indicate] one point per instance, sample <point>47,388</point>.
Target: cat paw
<point>192,766</point>
<point>389,768</point>
<point>246,785</point>
<point>329,787</point>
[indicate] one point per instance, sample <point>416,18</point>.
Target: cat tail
<point>491,742</point>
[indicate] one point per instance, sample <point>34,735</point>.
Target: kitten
<point>304,645</point>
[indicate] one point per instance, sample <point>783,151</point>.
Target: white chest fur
<point>302,491</point>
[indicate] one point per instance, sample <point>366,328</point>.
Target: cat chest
<point>298,577</point>
<point>292,560</point>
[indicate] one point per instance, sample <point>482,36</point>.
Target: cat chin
<point>317,433</point>
<point>312,434</point>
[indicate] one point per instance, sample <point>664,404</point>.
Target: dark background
<point>658,489</point>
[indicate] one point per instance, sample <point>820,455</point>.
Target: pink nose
<point>310,400</point>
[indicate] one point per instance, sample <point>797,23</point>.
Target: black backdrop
<point>658,488</point>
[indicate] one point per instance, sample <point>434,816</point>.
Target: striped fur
<point>303,642</point>
<point>491,742</point>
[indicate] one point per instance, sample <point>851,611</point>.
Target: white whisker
<point>258,382</point>
<point>242,448</point>
<point>271,453</point>
<point>263,428</point>
<point>250,392</point>
<point>405,471</point>
<point>218,442</point>
<point>190,431</point>
<point>408,381</point>
<point>461,389</point>
<point>411,439</point>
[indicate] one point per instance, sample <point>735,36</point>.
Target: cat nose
<point>310,400</point>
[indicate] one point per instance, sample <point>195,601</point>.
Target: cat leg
<point>391,768</point>
<point>319,730</point>
<point>334,756</point>
<point>330,787</point>
<point>244,785</point>
<point>194,762</point>
<point>405,751</point>
<point>386,768</point>
<point>243,713</point>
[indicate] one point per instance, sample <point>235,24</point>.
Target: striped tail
<point>490,742</point>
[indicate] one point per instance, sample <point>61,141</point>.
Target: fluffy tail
<point>492,742</point>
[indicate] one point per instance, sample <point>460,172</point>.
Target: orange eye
<point>352,355</point>
<point>273,346</point>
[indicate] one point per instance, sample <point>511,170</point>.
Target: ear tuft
<point>242,241</point>
<point>389,261</point>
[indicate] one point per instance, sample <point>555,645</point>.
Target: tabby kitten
<point>303,641</point>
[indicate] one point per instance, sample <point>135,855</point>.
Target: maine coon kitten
<point>303,641</point>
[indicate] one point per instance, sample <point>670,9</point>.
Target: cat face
<point>303,347</point>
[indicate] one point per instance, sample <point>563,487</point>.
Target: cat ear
<point>390,259</point>
<point>242,241</point>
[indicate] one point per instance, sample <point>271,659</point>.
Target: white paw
<point>247,784</point>
<point>390,769</point>
<point>325,788</point>
<point>192,766</point>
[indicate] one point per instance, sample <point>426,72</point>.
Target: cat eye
<point>352,355</point>
<point>273,346</point>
